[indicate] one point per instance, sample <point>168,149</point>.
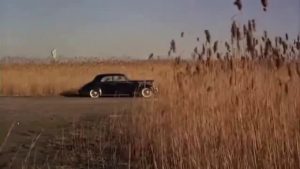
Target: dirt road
<point>25,105</point>
<point>31,116</point>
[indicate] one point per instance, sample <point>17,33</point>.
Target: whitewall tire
<point>147,92</point>
<point>95,93</point>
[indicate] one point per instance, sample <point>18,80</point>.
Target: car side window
<point>119,78</point>
<point>106,79</point>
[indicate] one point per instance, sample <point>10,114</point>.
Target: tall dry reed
<point>225,114</point>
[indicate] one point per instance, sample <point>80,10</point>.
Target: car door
<point>123,86</point>
<point>108,86</point>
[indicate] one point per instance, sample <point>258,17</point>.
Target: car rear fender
<point>145,85</point>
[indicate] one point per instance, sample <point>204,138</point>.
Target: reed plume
<point>215,47</point>
<point>245,30</point>
<point>182,34</point>
<point>286,36</point>
<point>276,42</point>
<point>297,44</point>
<point>196,50</point>
<point>250,28</point>
<point>284,46</point>
<point>238,4</point>
<point>173,46</point>
<point>219,56</point>
<point>203,50</point>
<point>150,57</point>
<point>250,43</point>
<point>227,46</point>
<point>264,4</point>
<point>207,35</point>
<point>233,31</point>
<point>254,25</point>
<point>268,47</point>
<point>265,34</point>
<point>209,52</point>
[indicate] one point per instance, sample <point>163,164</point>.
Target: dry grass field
<point>55,79</point>
<point>234,108</point>
<point>209,114</point>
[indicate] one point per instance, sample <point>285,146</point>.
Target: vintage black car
<point>117,85</point>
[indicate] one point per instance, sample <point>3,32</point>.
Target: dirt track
<point>46,115</point>
<point>21,105</point>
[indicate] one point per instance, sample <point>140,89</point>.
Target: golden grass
<point>54,79</point>
<point>217,114</point>
<point>245,117</point>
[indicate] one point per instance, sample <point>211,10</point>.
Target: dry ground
<point>47,117</point>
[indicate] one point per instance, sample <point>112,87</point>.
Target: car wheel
<point>95,93</point>
<point>147,92</point>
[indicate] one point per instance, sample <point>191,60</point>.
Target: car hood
<point>87,86</point>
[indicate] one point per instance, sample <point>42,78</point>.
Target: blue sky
<point>129,27</point>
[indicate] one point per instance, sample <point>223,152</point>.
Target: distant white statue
<point>54,54</point>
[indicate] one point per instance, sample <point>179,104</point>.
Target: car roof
<point>108,74</point>
<point>111,74</point>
